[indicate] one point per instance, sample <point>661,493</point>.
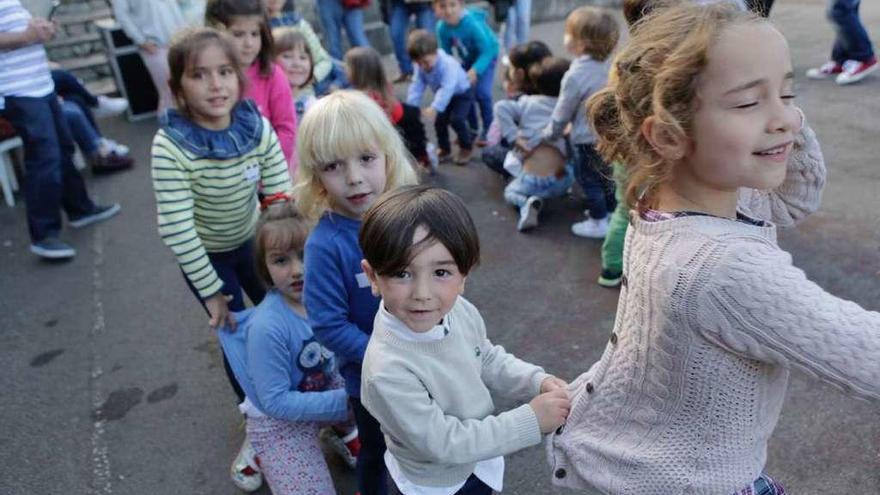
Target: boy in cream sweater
<point>429,370</point>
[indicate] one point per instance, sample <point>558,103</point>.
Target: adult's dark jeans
<point>70,88</point>
<point>372,476</point>
<point>455,115</point>
<point>594,176</point>
<point>237,270</point>
<point>851,41</point>
<point>52,182</point>
<point>399,16</point>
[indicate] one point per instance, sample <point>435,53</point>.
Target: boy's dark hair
<point>386,235</point>
<point>547,75</point>
<point>420,43</point>
<point>524,56</point>
<point>636,10</point>
<point>185,48</point>
<point>219,14</point>
<point>596,28</point>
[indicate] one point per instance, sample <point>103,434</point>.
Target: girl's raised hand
<point>219,311</point>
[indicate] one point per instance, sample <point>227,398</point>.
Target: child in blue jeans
<point>591,35</point>
<point>539,168</point>
<point>453,96</point>
<point>466,31</point>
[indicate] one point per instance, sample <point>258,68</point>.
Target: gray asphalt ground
<point>112,382</point>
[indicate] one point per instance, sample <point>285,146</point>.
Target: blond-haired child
<point>349,155</point>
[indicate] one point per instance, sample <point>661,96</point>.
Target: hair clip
<point>273,198</point>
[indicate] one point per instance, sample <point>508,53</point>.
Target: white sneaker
<point>108,107</point>
<point>433,158</point>
<point>591,228</point>
<point>108,146</point>
<point>245,469</point>
<point>528,214</point>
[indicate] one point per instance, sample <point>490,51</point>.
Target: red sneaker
<point>827,70</point>
<point>854,70</point>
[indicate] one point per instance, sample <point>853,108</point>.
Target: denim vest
<point>241,137</point>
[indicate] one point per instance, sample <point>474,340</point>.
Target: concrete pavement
<point>113,383</point>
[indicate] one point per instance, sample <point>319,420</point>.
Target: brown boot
<point>464,156</point>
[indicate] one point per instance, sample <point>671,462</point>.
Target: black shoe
<point>53,248</point>
<point>107,164</point>
<point>610,279</point>
<point>98,214</point>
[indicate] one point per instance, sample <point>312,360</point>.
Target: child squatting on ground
<point>712,313</point>
<point>350,154</point>
<point>208,158</point>
<point>453,95</point>
<point>291,384</point>
<point>539,168</point>
<point>430,370</point>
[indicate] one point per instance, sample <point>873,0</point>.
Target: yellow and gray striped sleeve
<point>174,203</point>
<point>273,166</point>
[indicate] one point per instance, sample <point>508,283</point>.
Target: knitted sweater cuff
<point>525,423</point>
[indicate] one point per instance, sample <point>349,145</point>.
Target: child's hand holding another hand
<point>551,408</point>
<point>552,383</point>
<point>472,76</point>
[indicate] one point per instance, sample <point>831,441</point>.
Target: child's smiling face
<point>209,88</point>
<point>744,125</point>
<point>450,11</point>
<point>297,66</point>
<point>423,293</point>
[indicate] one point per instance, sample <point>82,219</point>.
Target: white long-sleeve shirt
<point>149,20</point>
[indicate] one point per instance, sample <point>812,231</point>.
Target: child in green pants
<point>612,247</point>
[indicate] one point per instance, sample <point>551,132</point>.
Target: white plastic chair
<point>8,182</point>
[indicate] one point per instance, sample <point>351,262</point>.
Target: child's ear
<point>371,275</point>
<point>666,140</point>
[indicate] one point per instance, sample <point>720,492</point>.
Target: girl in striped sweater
<point>207,160</point>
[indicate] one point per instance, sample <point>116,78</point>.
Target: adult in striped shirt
<point>28,101</point>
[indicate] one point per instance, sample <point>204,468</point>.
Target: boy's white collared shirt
<point>489,471</point>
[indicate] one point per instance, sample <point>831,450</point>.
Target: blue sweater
<point>446,79</point>
<point>280,366</point>
<point>472,38</point>
<point>337,294</point>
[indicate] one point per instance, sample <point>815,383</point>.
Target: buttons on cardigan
<point>613,338</point>
<point>589,388</point>
<point>559,430</point>
<point>560,473</point>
